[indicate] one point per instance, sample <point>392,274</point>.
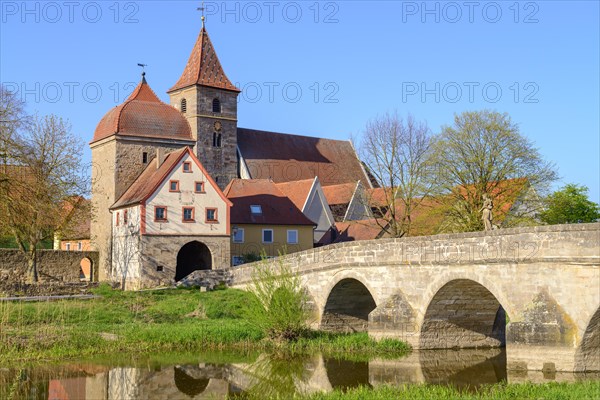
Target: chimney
<point>160,157</point>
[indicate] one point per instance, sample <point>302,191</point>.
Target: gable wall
<point>186,198</point>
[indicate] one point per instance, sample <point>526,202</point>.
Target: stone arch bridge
<point>535,291</point>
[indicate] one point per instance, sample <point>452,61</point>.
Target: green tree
<point>479,154</point>
<point>570,205</point>
<point>40,173</point>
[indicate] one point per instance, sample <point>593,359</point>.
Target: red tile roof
<point>296,191</point>
<point>339,194</point>
<point>143,114</point>
<point>284,158</point>
<point>358,230</point>
<point>427,218</point>
<point>149,179</point>
<point>380,197</point>
<point>504,193</point>
<point>204,67</point>
<point>77,218</point>
<point>277,209</point>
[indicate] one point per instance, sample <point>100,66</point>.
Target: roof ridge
<point>292,134</point>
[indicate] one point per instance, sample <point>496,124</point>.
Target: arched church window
<point>219,140</point>
<point>216,106</point>
<point>214,139</point>
<point>183,105</point>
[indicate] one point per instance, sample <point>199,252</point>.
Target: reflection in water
<point>263,377</point>
<point>188,384</point>
<point>344,374</point>
<point>463,369</point>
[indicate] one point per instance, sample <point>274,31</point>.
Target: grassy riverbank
<point>163,320</point>
<point>552,390</point>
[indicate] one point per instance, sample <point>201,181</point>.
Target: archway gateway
<point>86,270</point>
<point>192,257</point>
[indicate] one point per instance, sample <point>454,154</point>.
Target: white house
<point>171,221</point>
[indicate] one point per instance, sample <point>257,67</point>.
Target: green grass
<point>152,321</point>
<point>546,391</point>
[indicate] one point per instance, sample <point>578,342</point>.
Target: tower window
<point>183,105</point>
<point>216,106</point>
<point>217,139</point>
<point>145,157</point>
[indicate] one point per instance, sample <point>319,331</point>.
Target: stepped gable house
<point>202,115</point>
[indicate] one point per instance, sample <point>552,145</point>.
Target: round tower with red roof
<point>126,140</point>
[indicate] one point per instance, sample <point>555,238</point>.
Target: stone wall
<point>53,265</point>
<point>220,162</point>
<point>159,261</point>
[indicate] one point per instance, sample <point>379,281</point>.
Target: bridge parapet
<point>555,243</point>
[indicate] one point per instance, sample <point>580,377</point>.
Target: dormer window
<point>216,106</point>
<point>183,106</point>
<point>256,209</point>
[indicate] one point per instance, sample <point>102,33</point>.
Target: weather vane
<point>202,10</point>
<point>143,70</point>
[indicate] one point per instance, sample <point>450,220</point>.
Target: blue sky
<point>325,68</point>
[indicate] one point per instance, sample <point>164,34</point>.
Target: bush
<point>280,307</point>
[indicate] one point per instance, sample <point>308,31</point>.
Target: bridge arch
<point>348,304</point>
<point>587,357</point>
<point>463,314</point>
<point>347,274</point>
<point>500,293</point>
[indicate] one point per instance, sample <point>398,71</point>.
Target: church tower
<point>208,100</point>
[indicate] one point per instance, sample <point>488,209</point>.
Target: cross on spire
<point>202,10</point>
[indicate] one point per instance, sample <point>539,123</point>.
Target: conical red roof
<point>204,67</point>
<point>143,114</point>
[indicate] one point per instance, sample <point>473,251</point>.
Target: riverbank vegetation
<point>521,391</point>
<point>159,320</point>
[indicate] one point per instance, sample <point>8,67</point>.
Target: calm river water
<point>229,375</point>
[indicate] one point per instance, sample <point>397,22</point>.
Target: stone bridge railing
<point>555,243</point>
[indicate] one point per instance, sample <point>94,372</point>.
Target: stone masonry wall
<point>220,162</point>
<point>159,262</point>
<point>53,265</point>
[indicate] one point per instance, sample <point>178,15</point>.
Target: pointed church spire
<point>203,67</point>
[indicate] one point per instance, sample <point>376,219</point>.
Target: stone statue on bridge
<point>487,213</point>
